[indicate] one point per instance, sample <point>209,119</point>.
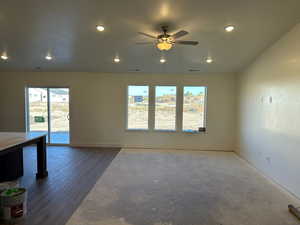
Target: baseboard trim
<point>179,149</point>
<point>203,148</point>
<point>95,145</point>
<point>51,144</point>
<point>268,178</point>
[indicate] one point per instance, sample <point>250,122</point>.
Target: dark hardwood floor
<point>72,174</point>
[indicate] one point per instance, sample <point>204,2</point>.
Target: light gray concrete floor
<point>153,187</point>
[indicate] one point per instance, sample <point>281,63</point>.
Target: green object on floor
<point>13,205</point>
<point>12,192</point>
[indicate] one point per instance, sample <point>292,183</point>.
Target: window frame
<point>126,114</point>
<point>178,110</point>
<point>201,129</point>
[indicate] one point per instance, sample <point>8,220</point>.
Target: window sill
<point>165,131</point>
<point>200,130</point>
<point>193,132</point>
<point>143,130</point>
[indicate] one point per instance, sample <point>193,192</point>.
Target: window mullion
<point>151,115</point>
<point>179,108</point>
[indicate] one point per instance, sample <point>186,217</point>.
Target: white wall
<point>98,108</point>
<point>269,112</point>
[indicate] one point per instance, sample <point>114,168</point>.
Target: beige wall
<point>98,108</point>
<point>269,112</point>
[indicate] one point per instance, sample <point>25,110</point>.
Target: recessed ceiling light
<point>4,57</point>
<point>162,60</point>
<point>209,60</point>
<point>100,28</point>
<point>48,57</point>
<point>229,28</point>
<point>116,60</point>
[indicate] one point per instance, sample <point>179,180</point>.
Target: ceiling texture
<point>30,29</point>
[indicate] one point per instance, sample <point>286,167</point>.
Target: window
<point>194,109</point>
<point>165,107</point>
<point>138,107</point>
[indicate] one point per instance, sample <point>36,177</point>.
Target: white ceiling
<point>29,29</point>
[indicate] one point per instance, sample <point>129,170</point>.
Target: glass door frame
<point>27,119</point>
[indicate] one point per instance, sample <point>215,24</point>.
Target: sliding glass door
<point>59,115</point>
<point>48,112</point>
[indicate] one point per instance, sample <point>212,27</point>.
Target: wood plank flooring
<point>72,174</point>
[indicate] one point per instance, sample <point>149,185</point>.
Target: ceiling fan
<point>165,41</point>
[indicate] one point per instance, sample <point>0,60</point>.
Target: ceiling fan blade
<point>180,34</point>
<point>187,42</point>
<point>144,43</point>
<point>147,35</point>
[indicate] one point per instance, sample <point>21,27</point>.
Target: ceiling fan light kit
<point>4,57</point>
<point>165,41</point>
<point>165,44</point>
